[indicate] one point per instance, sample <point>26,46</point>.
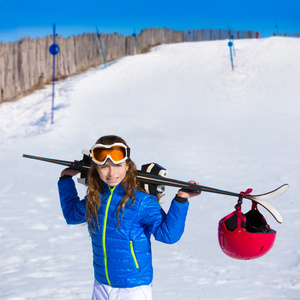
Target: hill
<point>183,107</point>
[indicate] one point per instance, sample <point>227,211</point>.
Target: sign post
<point>99,38</point>
<point>230,44</point>
<point>53,49</point>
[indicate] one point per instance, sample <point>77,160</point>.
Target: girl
<point>121,218</point>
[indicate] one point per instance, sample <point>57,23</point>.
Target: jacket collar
<point>119,189</point>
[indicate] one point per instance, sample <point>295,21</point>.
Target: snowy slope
<point>183,107</point>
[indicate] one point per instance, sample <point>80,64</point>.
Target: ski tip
<point>279,218</point>
<point>282,189</point>
<point>280,221</point>
<point>272,210</point>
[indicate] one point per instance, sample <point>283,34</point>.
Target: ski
<point>71,164</point>
<point>148,178</point>
<point>154,179</point>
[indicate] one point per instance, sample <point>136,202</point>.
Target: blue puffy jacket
<point>122,255</point>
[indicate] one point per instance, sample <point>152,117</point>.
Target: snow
<point>180,106</point>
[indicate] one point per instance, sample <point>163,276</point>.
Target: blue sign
<point>230,44</point>
<point>54,49</point>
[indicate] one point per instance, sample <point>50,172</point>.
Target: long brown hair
<point>95,185</point>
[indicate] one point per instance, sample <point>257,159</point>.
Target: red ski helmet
<point>245,236</point>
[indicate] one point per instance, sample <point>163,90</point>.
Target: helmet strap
<point>238,207</point>
<point>254,206</point>
<point>241,218</point>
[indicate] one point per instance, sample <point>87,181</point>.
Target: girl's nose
<point>111,171</point>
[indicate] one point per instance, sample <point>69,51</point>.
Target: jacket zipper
<point>104,233</point>
<point>133,255</point>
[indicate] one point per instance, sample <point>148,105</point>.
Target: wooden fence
<point>26,65</point>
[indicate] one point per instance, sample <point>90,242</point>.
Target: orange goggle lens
<point>116,154</point>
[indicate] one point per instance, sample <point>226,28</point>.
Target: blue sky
<point>35,18</point>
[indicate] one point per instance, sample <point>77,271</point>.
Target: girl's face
<point>112,174</point>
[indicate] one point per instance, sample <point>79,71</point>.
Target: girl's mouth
<point>113,179</point>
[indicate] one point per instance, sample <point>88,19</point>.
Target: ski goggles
<point>117,153</point>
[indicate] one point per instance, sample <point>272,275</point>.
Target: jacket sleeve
<point>167,228</point>
<point>73,209</point>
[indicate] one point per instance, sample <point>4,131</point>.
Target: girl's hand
<point>69,172</point>
<point>188,193</point>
